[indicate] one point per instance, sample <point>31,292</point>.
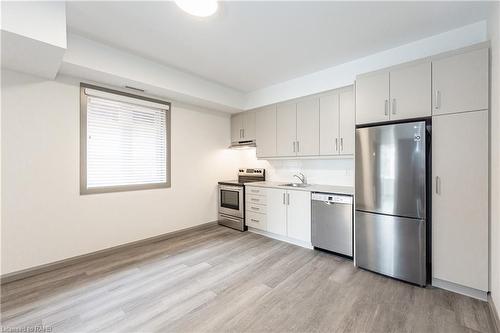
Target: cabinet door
<point>329,125</point>
<point>347,125</point>
<point>411,92</point>
<point>308,127</point>
<point>372,98</point>
<point>460,83</point>
<point>276,211</point>
<point>286,129</point>
<point>237,127</point>
<point>460,199</point>
<point>265,132</point>
<point>249,125</point>
<point>299,215</point>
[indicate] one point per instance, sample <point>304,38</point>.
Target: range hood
<point>243,144</point>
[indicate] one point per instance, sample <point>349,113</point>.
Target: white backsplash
<point>338,172</point>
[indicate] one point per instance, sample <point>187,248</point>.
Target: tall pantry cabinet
<point>460,166</point>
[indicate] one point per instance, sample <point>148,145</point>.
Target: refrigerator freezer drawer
<point>391,245</point>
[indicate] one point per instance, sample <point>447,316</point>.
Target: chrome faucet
<point>301,177</point>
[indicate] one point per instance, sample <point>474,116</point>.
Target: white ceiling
<point>252,45</point>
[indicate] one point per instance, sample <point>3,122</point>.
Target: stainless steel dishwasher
<point>332,222</point>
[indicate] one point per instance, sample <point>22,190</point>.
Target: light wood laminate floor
<point>221,280</point>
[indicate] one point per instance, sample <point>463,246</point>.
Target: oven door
<point>231,200</point>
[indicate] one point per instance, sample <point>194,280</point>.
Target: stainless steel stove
<point>232,198</point>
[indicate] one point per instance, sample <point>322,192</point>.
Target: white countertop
<point>347,190</point>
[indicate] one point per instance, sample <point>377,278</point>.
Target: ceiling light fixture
<point>201,8</point>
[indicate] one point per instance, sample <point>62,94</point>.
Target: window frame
<point>83,144</point>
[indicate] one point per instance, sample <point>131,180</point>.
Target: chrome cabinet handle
<point>393,106</point>
<point>243,133</point>
<point>254,220</point>
<point>341,144</point>
<point>255,208</point>
<point>284,199</point>
<point>386,107</point>
<point>437,102</point>
<point>438,185</point>
<point>298,146</point>
<point>288,199</point>
<point>336,144</point>
<point>253,199</point>
<point>294,146</point>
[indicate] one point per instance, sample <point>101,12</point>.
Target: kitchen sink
<point>296,185</point>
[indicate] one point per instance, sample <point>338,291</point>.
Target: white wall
<point>40,20</point>
<point>345,74</point>
<point>338,172</point>
<point>33,36</point>
<point>45,219</point>
<point>494,36</point>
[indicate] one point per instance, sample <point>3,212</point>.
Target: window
<point>125,141</point>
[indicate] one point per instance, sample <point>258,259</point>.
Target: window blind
<point>126,143</point>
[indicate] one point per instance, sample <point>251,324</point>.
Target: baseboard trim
<point>494,314</point>
<point>281,238</point>
<point>459,289</point>
<point>22,274</point>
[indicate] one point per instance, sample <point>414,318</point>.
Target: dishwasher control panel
<point>334,198</point>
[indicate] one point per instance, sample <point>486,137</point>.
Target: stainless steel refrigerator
<point>391,200</point>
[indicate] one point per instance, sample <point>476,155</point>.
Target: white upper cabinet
<point>286,129</point>
<point>265,132</point>
<point>307,127</point>
<point>410,91</point>
<point>249,125</point>
<point>337,123</point>
<point>347,124</point>
<point>372,98</point>
<point>401,93</point>
<point>299,215</point>
<point>243,126</point>
<point>460,82</point>
<point>237,127</point>
<point>329,124</point>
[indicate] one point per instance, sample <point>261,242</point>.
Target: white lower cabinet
<point>276,211</point>
<point>460,199</point>
<point>286,213</point>
<point>256,220</point>
<point>299,215</point>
